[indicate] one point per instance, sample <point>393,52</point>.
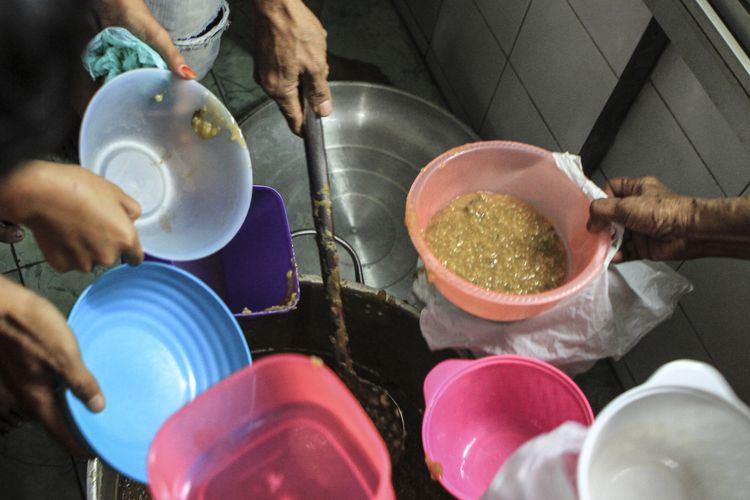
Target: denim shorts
<point>196,27</point>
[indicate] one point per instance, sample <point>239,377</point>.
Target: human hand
<point>37,348</point>
<point>663,225</point>
<point>137,18</point>
<point>79,219</point>
<point>290,58</point>
<point>659,221</point>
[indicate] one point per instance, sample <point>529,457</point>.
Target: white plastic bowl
<point>194,192</point>
<point>683,435</point>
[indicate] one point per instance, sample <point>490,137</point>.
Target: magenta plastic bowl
<point>524,171</point>
<point>479,412</point>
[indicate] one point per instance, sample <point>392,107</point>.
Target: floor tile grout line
<point>591,37</point>
<point>492,32</point>
<point>687,136</point>
<point>420,56</point>
<point>30,264</point>
<point>507,60</point>
<point>219,86</point>
<point>509,64</point>
<point>539,111</point>
<point>18,267</point>
<point>414,18</point>
<point>697,334</point>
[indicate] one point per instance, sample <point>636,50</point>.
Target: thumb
<point>601,213</point>
<point>318,93</point>
<point>158,38</point>
<point>83,384</point>
<point>132,207</point>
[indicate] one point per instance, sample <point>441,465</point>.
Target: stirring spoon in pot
<point>377,402</point>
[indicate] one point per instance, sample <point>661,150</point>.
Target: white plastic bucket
<point>682,435</point>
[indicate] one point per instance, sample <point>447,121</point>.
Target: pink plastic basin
<point>285,427</point>
<point>528,173</point>
<point>478,413</point>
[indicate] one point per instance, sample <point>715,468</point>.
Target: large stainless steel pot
<point>377,140</point>
<point>387,348</point>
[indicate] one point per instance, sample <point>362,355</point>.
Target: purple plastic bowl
<point>252,271</point>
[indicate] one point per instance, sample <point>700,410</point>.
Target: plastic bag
<point>544,467</point>
<point>606,319</point>
<point>116,50</point>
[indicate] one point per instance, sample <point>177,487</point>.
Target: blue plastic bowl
<point>155,337</point>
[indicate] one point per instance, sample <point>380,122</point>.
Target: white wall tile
<point>615,25</point>
<point>564,72</point>
<point>513,117</point>
<point>718,309</point>
<point>469,56</point>
<point>706,128</point>
<point>420,40</point>
<point>651,142</point>
<point>673,339</point>
<point>505,18</point>
<point>445,87</point>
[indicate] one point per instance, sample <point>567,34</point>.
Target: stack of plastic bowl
<point>528,173</point>
<point>479,412</point>
<point>194,188</point>
<point>286,427</point>
<point>154,337</point>
<point>682,435</point>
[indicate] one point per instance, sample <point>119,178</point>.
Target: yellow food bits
<point>498,242</point>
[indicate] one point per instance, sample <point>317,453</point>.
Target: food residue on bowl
<point>205,124</point>
<point>165,222</point>
<point>289,299</point>
<point>498,242</point>
<point>208,121</point>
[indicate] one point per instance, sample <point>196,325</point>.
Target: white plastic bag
<point>543,468</point>
<point>606,319</point>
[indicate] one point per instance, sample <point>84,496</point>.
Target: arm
<point>138,19</point>
<point>290,58</point>
<point>667,226</point>
<point>78,218</point>
<point>36,346</point>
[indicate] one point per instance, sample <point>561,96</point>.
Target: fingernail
<point>324,108</point>
<point>96,404</point>
<point>18,234</point>
<point>186,72</point>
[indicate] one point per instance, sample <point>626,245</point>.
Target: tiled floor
<point>32,466</point>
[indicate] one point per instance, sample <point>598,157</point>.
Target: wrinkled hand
<point>37,347</point>
<point>137,18</point>
<point>290,58</point>
<point>78,218</point>
<point>659,221</point>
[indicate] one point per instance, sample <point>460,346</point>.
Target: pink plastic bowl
<point>478,413</point>
<point>284,427</point>
<point>528,173</point>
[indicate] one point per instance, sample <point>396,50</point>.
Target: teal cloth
<point>116,50</point>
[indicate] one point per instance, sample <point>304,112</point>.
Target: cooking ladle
<point>320,193</point>
<point>377,402</point>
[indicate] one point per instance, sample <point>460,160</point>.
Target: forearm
<point>721,227</point>
<point>22,191</point>
<point>268,7</point>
